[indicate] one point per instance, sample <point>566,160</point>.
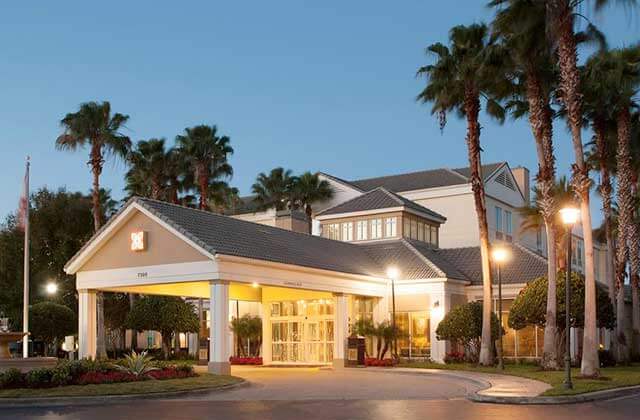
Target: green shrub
<point>61,374</point>
<point>463,325</point>
<point>11,378</point>
<point>39,378</point>
<point>136,364</point>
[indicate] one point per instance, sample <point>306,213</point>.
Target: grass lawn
<point>613,377</point>
<point>203,381</point>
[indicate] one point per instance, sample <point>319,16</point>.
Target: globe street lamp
<point>500,255</point>
<point>393,274</point>
<point>569,216</point>
<point>51,288</point>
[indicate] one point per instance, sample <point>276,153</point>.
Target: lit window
<point>331,231</point>
<point>390,228</point>
<point>376,228</point>
<point>361,230</point>
<point>347,231</point>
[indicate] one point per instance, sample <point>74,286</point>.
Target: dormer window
<point>361,230</point>
<point>376,228</point>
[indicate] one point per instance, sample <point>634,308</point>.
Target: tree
<point>560,18</point>
<point>166,314</point>
<point>205,154</point>
<point>51,322</point>
<point>274,190</point>
<point>463,325</point>
<point>95,127</point>
<point>307,189</point>
<point>116,309</point>
<point>248,329</point>
<point>151,170</point>
<point>529,306</point>
<point>520,26</point>
<point>456,82</point>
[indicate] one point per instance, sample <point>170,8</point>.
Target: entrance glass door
<point>302,331</point>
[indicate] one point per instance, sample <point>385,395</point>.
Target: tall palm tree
<point>635,233</point>
<point>147,175</point>
<point>521,27</point>
<point>307,189</point>
<point>274,190</point>
<point>223,198</point>
<point>95,127</point>
<point>456,82</point>
<point>561,18</point>
<point>206,155</point>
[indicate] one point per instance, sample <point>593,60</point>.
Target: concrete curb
<point>603,395</point>
<point>45,402</point>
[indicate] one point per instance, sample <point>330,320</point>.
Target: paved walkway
<point>279,383</point>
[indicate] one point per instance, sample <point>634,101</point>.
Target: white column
<point>219,343</point>
<point>87,325</point>
<point>340,329</point>
<point>440,305</point>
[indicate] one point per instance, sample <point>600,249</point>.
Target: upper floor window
<point>414,229</point>
<point>539,240</point>
<point>421,231</point>
<point>498,219</point>
<point>331,231</point>
<point>390,227</point>
<point>376,228</point>
<point>434,236</point>
<point>361,230</point>
<point>347,231</point>
<point>508,223</point>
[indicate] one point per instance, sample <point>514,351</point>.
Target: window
<point>376,228</point>
<point>498,219</point>
<point>361,230</point>
<point>421,231</point>
<point>331,231</point>
<point>434,236</point>
<point>414,229</point>
<point>347,231</point>
<point>406,227</point>
<point>539,241</point>
<point>427,233</point>
<point>390,227</point>
<point>508,224</point>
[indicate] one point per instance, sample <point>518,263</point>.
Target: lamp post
<point>393,273</point>
<point>500,255</point>
<point>569,217</point>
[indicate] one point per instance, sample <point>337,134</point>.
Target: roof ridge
<point>454,172</point>
<point>423,257</point>
<point>341,180</point>
<point>400,174</point>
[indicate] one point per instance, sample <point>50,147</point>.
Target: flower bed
<point>371,361</point>
<point>245,360</point>
<point>85,372</point>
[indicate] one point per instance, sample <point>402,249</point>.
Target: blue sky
<point>302,84</point>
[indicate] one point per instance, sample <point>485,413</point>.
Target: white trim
<point>96,243</point>
<point>360,213</point>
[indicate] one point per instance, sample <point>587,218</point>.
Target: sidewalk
<point>495,386</point>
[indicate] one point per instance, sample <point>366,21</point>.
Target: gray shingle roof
<point>229,236</point>
<point>378,199</point>
<point>432,178</point>
<point>524,266</point>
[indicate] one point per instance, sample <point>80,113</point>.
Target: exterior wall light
<point>255,285</point>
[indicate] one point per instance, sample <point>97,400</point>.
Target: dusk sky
<point>307,85</point>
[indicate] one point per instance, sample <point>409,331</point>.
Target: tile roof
<point>432,178</point>
<point>229,236</point>
<point>378,199</point>
<point>525,265</point>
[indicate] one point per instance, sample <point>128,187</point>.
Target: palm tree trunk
<point>542,127</point>
<point>634,274</point>
<point>562,22</point>
<point>203,186</point>
<point>96,167</point>
<point>625,224</point>
<point>472,109</point>
<point>602,151</point>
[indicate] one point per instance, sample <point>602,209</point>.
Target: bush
<point>39,378</point>
<point>97,378</point>
<point>136,364</point>
<point>455,357</point>
<point>11,378</point>
<point>606,358</point>
<point>463,325</point>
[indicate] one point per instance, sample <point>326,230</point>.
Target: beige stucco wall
<point>461,227</point>
<point>163,247</point>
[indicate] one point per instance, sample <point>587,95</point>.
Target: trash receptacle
<point>355,351</point>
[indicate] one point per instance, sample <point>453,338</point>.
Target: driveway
<point>281,383</point>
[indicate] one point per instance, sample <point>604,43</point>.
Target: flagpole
<point>25,309</point>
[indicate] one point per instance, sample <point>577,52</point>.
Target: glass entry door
<point>302,331</point>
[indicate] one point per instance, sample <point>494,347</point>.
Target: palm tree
<point>560,17</point>
<point>456,82</point>
<point>94,126</point>
<point>206,154</point>
<point>307,189</point>
<point>223,198</point>
<point>147,176</point>
<point>274,190</point>
<point>520,25</point>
